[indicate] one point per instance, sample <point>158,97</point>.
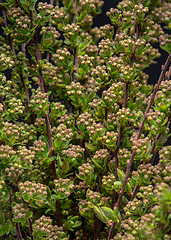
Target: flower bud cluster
<point>14,170</point>
<point>108,182</point>
<point>19,210</point>
<point>165,87</point>
<point>155,119</point>
<point>6,152</point>
<point>144,174</point>
<point>61,55</point>
<point>37,172</point>
<point>166,13</point>
<point>106,48</point>
<point>80,189</point>
<point>81,235</point>
<point>38,146</point>
<point>63,188</point>
<point>75,152</point>
<point>75,89</point>
<point>27,132</point>
<point>50,32</point>
<point>16,108</point>
<point>44,8</point>
<point>165,39</point>
<point>26,155</point>
<point>5,62</point>
<point>50,72</point>
<point>43,227</point>
<point>2,184</point>
<point>130,229</point>
<point>40,124</point>
<point>141,148</point>
<point>62,132</point>
<point>21,60</point>
<point>100,74</point>
<point>70,30</point>
<point>83,121</point>
<point>11,89</point>
<point>124,116</point>
<point>115,15</point>
<point>110,139</point>
<point>96,130</point>
<point>97,33</point>
<point>58,14</point>
<point>124,155</point>
<point>18,16</point>
<point>67,119</point>
<point>141,203</point>
<point>114,65</point>
<point>100,159</point>
<point>107,29</point>
<point>92,50</point>
<point>57,110</point>
<point>91,86</point>
<point>33,189</point>
<point>165,155</point>
<point>4,48</point>
<point>162,172</point>
<point>3,81</point>
<point>11,130</point>
<point>93,197</point>
<point>86,172</point>
<point>40,104</point>
<point>91,5</point>
<point>86,62</point>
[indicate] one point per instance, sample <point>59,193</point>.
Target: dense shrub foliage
<point>79,126</point>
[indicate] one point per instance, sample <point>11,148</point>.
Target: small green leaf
<point>1,218</point>
<point>65,166</point>
<point>100,214</point>
<point>28,215</point>
<point>13,232</point>
<point>109,213</point>
<point>6,196</point>
<point>26,197</point>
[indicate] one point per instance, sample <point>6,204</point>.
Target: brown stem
<point>75,9</point>
<point>47,119</point>
<point>18,231</point>
<point>30,229</point>
<point>164,68</point>
<point>95,228</point>
<point>75,49</point>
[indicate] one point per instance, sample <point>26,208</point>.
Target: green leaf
<point>83,45</point>
<point>121,175</point>
<point>48,194</point>
<point>65,166</point>
<point>26,197</point>
<point>22,220</point>
<point>109,213</point>
<point>28,215</point>
<point>6,196</point>
<point>60,26</point>
<point>100,214</point>
<point>1,218</point>
<point>13,232</point>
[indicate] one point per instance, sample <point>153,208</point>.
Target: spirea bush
<point>79,125</point>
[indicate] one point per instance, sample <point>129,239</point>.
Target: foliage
<point>79,125</point>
